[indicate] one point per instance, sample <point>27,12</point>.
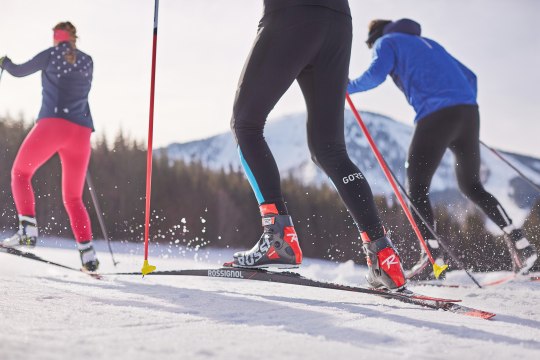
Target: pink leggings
<point>72,142</point>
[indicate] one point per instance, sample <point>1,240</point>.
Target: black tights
<point>456,128</point>
<point>311,44</point>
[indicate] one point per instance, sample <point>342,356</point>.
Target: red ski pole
<point>147,268</point>
<point>437,269</point>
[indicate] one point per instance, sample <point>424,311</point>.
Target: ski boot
<point>27,234</point>
<point>423,270</point>
<point>384,264</point>
<point>523,253</point>
<point>89,261</point>
<point>277,247</point>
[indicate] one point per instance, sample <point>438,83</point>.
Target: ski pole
<point>147,268</point>
<point>99,214</point>
<point>437,269</point>
<point>446,248</point>
<point>526,178</point>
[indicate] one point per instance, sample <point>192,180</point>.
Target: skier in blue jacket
<point>443,94</point>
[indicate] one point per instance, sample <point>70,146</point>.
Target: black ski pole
<point>498,154</point>
<point>99,214</point>
<point>446,248</point>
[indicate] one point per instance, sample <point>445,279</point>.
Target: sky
<point>203,44</point>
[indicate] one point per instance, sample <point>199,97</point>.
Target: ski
<point>503,280</point>
<point>297,279</point>
<point>31,256</point>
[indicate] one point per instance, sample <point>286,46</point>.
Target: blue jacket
<point>65,86</point>
<point>428,75</point>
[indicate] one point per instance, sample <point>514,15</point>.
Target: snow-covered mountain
<point>286,137</point>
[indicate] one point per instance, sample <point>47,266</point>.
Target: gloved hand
<point>2,60</point>
<point>350,87</point>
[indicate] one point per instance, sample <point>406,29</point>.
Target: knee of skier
<point>472,190</point>
<point>73,202</point>
<point>20,173</point>
<point>418,192</point>
<point>328,157</point>
<point>244,129</point>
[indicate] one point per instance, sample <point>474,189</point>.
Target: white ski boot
<point>27,234</point>
<point>89,259</point>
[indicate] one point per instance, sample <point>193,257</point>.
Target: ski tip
<point>438,269</point>
<point>147,268</point>
<point>481,314</point>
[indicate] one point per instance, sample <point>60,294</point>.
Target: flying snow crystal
<point>66,110</point>
<point>183,221</point>
<point>203,220</point>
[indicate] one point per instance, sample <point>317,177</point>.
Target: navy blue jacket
<point>428,75</point>
<point>65,86</point>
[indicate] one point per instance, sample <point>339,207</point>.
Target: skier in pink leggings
<point>63,126</point>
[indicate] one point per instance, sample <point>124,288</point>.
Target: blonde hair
<point>70,55</point>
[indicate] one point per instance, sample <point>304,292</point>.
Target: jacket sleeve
<point>471,77</point>
<point>381,65</point>
<point>37,63</point>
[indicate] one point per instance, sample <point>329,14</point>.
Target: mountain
<point>286,137</point>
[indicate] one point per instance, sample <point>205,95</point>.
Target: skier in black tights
<point>308,41</point>
<point>443,93</point>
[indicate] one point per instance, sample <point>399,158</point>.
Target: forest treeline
<point>194,207</point>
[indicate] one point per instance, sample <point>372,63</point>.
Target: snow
<point>52,313</point>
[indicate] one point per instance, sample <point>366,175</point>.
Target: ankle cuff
<point>28,219</point>
<point>85,245</point>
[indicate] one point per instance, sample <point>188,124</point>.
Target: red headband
<point>61,35</point>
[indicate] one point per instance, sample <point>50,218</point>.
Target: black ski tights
<point>312,45</point>
<point>456,128</point>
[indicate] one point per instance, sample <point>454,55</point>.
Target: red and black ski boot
<point>384,263</point>
<point>277,247</point>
